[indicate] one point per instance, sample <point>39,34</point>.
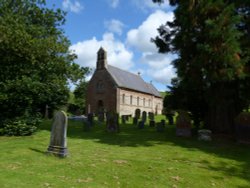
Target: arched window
<point>131,99</point>
<point>100,87</point>
<point>138,101</point>
<point>143,101</point>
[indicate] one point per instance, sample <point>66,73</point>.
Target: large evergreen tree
<point>213,59</point>
<point>36,63</point>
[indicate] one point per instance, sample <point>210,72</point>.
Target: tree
<point>213,63</point>
<point>36,63</point>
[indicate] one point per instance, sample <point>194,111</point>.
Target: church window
<point>99,87</point>
<point>131,99</point>
<point>123,98</point>
<point>138,101</point>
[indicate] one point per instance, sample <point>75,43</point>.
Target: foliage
<point>20,126</point>
<point>36,63</point>
<point>213,59</point>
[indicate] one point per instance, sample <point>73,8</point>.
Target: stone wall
<point>101,89</point>
<point>131,100</point>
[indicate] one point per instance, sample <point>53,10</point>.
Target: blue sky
<point>122,27</point>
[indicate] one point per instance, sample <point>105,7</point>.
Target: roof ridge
<point>125,71</point>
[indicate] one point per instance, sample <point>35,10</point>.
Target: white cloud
<point>160,68</point>
<point>69,5</point>
<point>114,26</point>
<point>117,53</point>
<point>148,5</point>
<point>114,3</point>
<point>141,37</point>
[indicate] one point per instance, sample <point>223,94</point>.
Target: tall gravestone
<point>144,116</point>
<point>137,113</point>
<point>151,119</point>
<point>58,138</point>
<point>183,124</point>
<point>112,122</point>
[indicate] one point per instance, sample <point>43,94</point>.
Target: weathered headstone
<point>151,123</point>
<point>151,116</point>
<point>144,116</point>
<point>204,135</point>
<point>124,119</point>
<point>183,124</point>
<point>58,138</point>
<point>112,122</point>
<point>90,118</point>
<point>138,113</point>
<point>170,117</point>
<point>242,127</point>
<point>160,126</point>
<point>141,125</point>
<point>135,121</point>
<point>101,116</point>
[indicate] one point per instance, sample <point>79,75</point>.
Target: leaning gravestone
<point>58,138</point>
<point>183,124</point>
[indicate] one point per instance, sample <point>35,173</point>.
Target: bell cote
<point>101,59</point>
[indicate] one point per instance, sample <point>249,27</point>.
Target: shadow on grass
<point>38,151</point>
<point>131,136</point>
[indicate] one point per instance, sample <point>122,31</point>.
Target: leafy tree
<point>213,64</point>
<point>36,63</point>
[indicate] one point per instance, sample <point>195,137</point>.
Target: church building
<point>117,90</point>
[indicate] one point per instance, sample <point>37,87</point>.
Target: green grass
<point>131,158</point>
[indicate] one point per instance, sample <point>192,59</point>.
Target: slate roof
<point>132,81</point>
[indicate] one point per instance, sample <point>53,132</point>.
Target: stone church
<point>113,89</point>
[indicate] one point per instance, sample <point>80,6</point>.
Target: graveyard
<point>132,157</point>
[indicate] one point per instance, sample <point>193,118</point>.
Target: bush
<point>20,126</point>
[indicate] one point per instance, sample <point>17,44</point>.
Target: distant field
<point>131,158</point>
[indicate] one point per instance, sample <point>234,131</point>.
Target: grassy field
<point>132,158</point>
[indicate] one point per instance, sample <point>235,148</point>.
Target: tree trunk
<point>223,108</point>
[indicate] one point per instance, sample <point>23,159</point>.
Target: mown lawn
<point>131,158</point>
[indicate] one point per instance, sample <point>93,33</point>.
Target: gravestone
<point>183,124</point>
<point>124,119</point>
<point>151,123</point>
<point>170,117</point>
<point>90,118</point>
<point>58,138</point>
<point>141,125</point>
<point>151,116</point>
<point>112,122</point>
<point>101,116</point>
<point>204,135</point>
<point>160,126</point>
<point>135,121</point>
<point>138,113</point>
<point>144,116</point>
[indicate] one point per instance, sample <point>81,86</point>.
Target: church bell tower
<point>101,59</point>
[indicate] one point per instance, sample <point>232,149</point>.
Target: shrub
<point>20,126</point>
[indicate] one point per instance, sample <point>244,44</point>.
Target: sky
<point>124,28</point>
